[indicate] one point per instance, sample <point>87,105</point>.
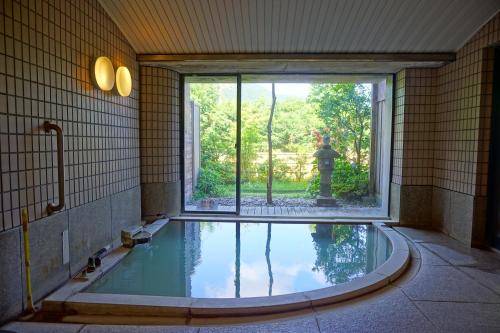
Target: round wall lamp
<point>123,81</point>
<point>103,73</point>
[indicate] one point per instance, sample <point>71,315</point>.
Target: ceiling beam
<point>300,57</point>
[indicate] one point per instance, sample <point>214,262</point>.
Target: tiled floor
<point>448,288</point>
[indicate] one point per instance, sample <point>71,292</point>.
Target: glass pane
<point>282,133</point>
<point>210,109</point>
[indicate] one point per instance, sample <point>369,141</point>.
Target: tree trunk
<point>270,149</point>
<point>357,148</point>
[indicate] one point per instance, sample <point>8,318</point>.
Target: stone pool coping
<point>75,305</point>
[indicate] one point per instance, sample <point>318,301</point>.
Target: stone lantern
<point>326,162</point>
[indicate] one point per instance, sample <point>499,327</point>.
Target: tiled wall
<point>420,102</point>
<point>463,113</point>
<point>188,146</point>
<point>46,48</point>
<point>160,138</point>
<point>413,153</point>
<point>398,128</point>
<point>159,125</point>
<point>441,137</point>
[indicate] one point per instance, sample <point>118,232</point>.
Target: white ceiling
<point>298,26</point>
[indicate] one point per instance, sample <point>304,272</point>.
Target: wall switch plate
<point>65,246</point>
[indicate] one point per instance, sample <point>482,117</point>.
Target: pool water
<point>227,260</point>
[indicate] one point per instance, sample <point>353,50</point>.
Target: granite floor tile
<point>137,329</point>
<point>489,277</point>
<point>33,327</point>
<point>301,325</point>
<point>462,317</point>
<point>459,255</point>
<point>429,258</point>
<point>424,235</point>
<point>447,283</point>
<point>390,311</point>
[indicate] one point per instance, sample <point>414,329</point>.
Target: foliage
<point>346,110</point>
<point>294,125</point>
<point>282,170</point>
<point>217,123</point>
<point>250,140</point>
<point>218,129</point>
<point>300,167</point>
<point>343,110</point>
<point>348,182</point>
<point>340,251</point>
<point>209,184</point>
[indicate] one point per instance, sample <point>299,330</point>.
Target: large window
<point>251,143</point>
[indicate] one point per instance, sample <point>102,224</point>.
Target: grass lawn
<point>281,189</point>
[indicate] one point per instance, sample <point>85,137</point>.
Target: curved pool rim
<point>73,303</point>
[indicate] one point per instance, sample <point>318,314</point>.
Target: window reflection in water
<point>340,251</point>
<point>206,259</point>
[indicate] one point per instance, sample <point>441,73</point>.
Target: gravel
<point>278,202</point>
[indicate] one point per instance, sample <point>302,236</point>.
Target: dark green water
<point>224,260</point>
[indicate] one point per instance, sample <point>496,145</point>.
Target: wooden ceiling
<point>298,26</point>
<point>291,67</point>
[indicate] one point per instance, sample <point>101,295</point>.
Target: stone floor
<point>448,288</point>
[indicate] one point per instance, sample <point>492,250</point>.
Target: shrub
<point>348,182</point>
<point>281,171</point>
<point>300,167</point>
<point>262,169</point>
<point>225,170</point>
<point>209,184</point>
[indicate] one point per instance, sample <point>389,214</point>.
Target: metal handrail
<point>47,126</point>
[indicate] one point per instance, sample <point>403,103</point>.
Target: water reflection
<point>268,259</point>
<point>202,259</point>
<point>237,262</point>
<point>341,251</point>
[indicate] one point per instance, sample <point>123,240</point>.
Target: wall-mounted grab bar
<point>47,126</point>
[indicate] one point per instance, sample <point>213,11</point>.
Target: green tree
<point>205,95</point>
<point>346,111</point>
<point>217,138</point>
<point>341,251</point>
<point>295,122</point>
<point>253,121</point>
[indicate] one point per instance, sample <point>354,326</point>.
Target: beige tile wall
<point>463,115</point>
<point>160,161</point>
<point>442,136</point>
<point>46,48</point>
<point>398,129</point>
<point>414,116</point>
<point>442,119</point>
